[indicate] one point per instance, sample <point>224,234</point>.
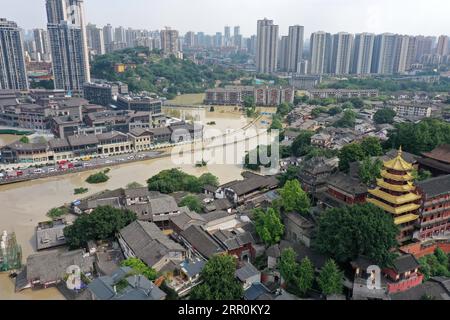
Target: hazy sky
<point>428,17</point>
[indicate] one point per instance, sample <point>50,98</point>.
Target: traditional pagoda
<point>396,194</point>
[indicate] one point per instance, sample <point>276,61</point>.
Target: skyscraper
<point>442,46</point>
<point>227,34</point>
<point>384,53</point>
<point>218,40</point>
<point>95,39</point>
<point>401,53</point>
<point>42,44</point>
<point>119,35</point>
<point>108,38</point>
<point>189,39</point>
<point>342,45</point>
<point>320,52</point>
<point>266,46</point>
<point>169,42</point>
<point>362,53</point>
<point>283,54</point>
<point>68,43</point>
<point>295,47</point>
<point>13,73</point>
<point>237,37</point>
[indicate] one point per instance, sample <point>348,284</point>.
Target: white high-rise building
<point>108,38</point>
<point>283,54</point>
<point>320,52</point>
<point>442,46</point>
<point>120,35</point>
<point>68,43</point>
<point>295,47</point>
<point>266,46</point>
<point>169,42</point>
<point>384,53</point>
<point>42,43</point>
<point>362,53</point>
<point>401,54</point>
<point>13,73</point>
<point>342,45</point>
<point>95,39</point>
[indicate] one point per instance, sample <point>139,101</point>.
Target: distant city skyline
<point>354,16</point>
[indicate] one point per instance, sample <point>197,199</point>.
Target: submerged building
<point>396,194</point>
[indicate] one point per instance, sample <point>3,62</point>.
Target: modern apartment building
<point>266,46</point>
<point>68,43</point>
<point>342,45</point>
<point>295,47</point>
<point>169,41</point>
<point>96,40</point>
<point>384,53</point>
<point>13,74</point>
<point>363,53</point>
<point>442,48</point>
<point>320,52</point>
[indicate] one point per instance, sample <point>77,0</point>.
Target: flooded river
<point>6,139</point>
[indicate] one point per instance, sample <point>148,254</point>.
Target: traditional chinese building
<point>396,194</point>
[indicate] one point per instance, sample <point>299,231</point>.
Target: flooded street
<point>7,291</point>
<point>6,139</point>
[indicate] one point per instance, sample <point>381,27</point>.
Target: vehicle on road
<point>86,158</point>
<point>38,171</point>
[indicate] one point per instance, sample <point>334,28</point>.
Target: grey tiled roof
<point>201,241</point>
<point>160,205</point>
<point>52,265</point>
<point>405,263</point>
<point>187,218</point>
<point>80,140</point>
<point>246,271</point>
<point>148,242</point>
<point>435,186</point>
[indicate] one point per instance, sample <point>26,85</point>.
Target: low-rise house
<point>315,172</point>
<point>123,284</point>
<point>160,135</point>
<point>237,242</point>
<point>113,198</point>
<point>321,140</point>
<point>158,208</point>
<point>403,274</point>
<point>188,278</point>
<point>200,243</point>
<point>19,152</point>
<point>362,277</point>
<point>49,268</point>
<point>437,288</point>
<point>298,229</point>
<point>50,234</point>
<point>343,189</point>
<point>144,240</point>
<point>242,191</point>
<point>185,219</point>
<point>248,275</point>
<point>437,160</point>
<point>113,143</point>
<point>258,291</point>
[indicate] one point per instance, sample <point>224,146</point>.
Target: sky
<point>414,17</point>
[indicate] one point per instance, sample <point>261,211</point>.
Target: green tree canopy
<point>330,279</point>
<point>359,230</point>
<point>269,226</point>
<point>103,223</point>
<point>347,120</point>
<point>193,203</point>
<point>305,278</point>
<point>294,199</point>
<point>370,170</point>
<point>384,116</point>
<point>420,137</point>
<point>350,153</point>
<point>372,147</point>
<point>208,179</point>
<point>288,265</point>
<point>219,281</point>
<point>174,180</point>
<point>302,144</point>
<point>139,267</point>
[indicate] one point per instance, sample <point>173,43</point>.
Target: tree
<point>371,147</point>
<point>350,153</point>
<point>269,226</point>
<point>419,137</point>
<point>383,116</point>
<point>305,278</point>
<point>208,179</point>
<point>290,174</point>
<point>288,265</point>
<point>357,103</point>
<point>139,267</point>
<point>219,281</point>
<point>103,223</point>
<point>294,199</point>
<point>334,111</point>
<point>193,203</point>
<point>276,124</point>
<point>302,144</point>
<point>97,178</point>
<point>351,231</point>
<point>370,170</point>
<point>347,120</point>
<point>330,279</point>
<point>283,109</point>
<point>174,180</point>
<point>24,139</point>
<point>421,175</point>
<point>134,185</point>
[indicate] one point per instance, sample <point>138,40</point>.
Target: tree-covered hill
<point>149,71</point>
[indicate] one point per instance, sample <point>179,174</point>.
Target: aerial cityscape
<point>288,163</point>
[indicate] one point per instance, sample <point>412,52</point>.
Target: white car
<point>38,171</point>
<point>50,170</point>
